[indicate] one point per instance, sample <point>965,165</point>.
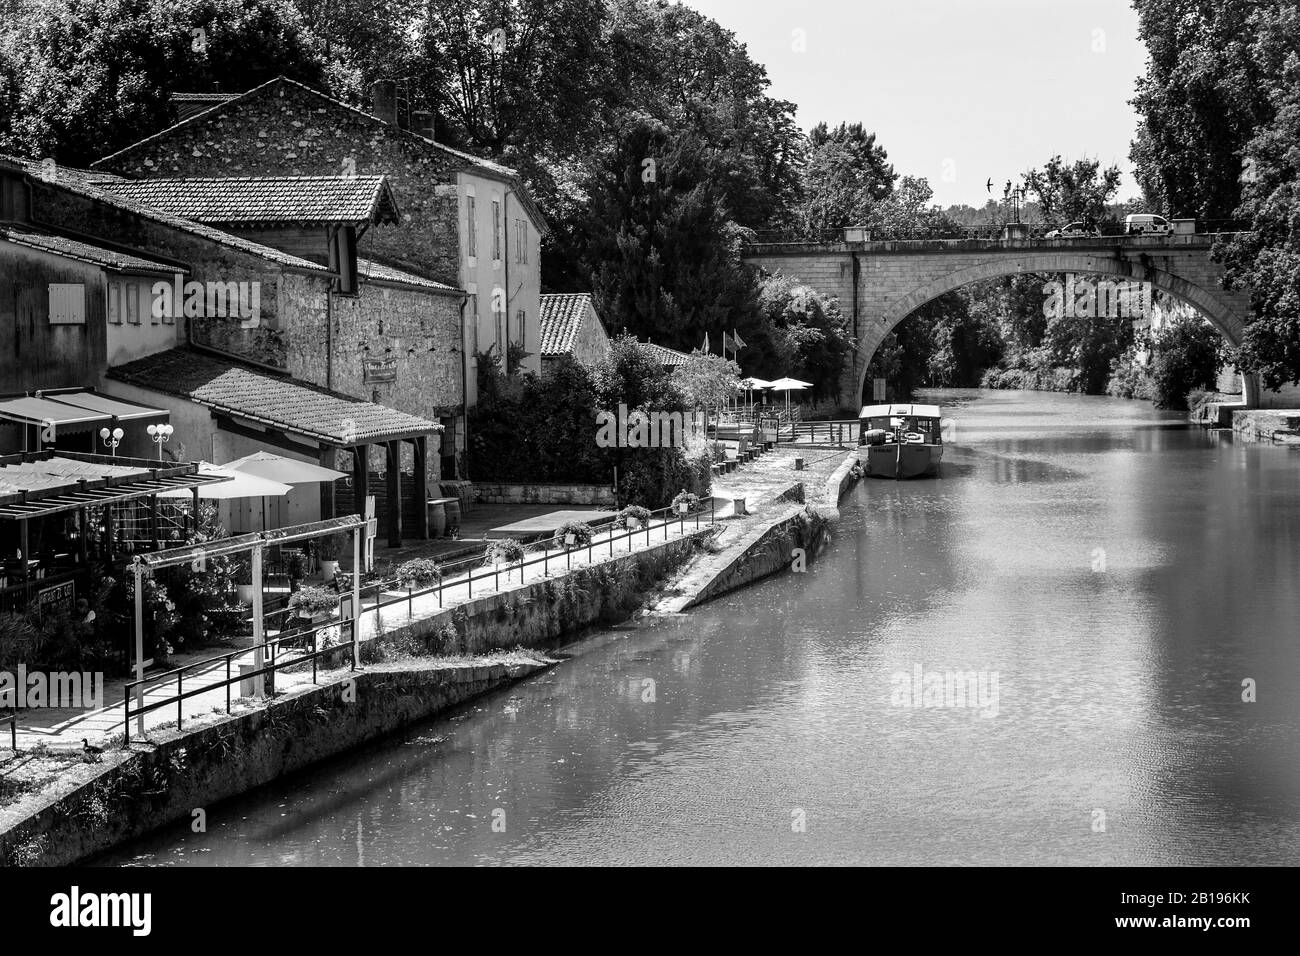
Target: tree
<point>1073,192</point>
<point>1186,353</point>
<point>847,173</point>
<point>706,380</point>
<point>662,251</point>
<point>1267,259</point>
<point>907,213</point>
<point>1204,93</point>
<point>803,335</point>
<point>82,78</point>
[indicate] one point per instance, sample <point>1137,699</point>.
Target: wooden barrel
<point>453,514</point>
<point>437,520</point>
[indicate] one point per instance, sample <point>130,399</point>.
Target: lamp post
<point>160,435</point>
<point>112,439</point>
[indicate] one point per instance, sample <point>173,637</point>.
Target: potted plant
<point>503,551</point>
<point>329,549</point>
<point>574,534</point>
<point>295,564</point>
<point>244,583</point>
<point>685,502</point>
<point>633,517</point>
<point>419,573</point>
<point>314,603</point>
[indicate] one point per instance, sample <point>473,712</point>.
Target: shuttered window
<point>67,303</point>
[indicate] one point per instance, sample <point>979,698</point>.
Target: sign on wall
<point>376,371</point>
<point>57,599</point>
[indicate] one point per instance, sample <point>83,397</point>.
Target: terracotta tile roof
<point>475,160</point>
<point>76,181</point>
<point>379,272</point>
<point>268,199</point>
<point>671,358</point>
<point>562,318</point>
<point>484,165</point>
<point>85,252</point>
<point>278,401</point>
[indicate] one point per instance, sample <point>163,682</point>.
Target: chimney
<point>384,100</point>
<point>422,123</point>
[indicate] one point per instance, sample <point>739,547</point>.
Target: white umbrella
<point>237,485</point>
<point>788,385</point>
<point>751,383</point>
<point>240,485</point>
<point>291,471</point>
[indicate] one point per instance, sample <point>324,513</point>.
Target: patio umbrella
<point>240,485</point>
<point>788,385</point>
<point>291,471</point>
<point>751,383</point>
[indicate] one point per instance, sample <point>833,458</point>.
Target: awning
<point>114,407</point>
<point>42,411</point>
<point>74,410</point>
<point>33,485</point>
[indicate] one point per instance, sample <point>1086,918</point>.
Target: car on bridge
<point>1146,224</point>
<point>1075,230</point>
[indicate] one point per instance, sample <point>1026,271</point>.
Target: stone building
<point>238,318</point>
<point>570,326</point>
<point>466,222</point>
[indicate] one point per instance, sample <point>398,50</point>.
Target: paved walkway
<point>64,730</point>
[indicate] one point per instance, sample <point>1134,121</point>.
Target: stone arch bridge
<point>879,284</point>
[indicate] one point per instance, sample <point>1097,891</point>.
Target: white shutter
<point>67,303</point>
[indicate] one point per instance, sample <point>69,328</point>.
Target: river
<point>1119,573</point>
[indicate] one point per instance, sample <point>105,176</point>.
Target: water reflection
<point>1122,574</point>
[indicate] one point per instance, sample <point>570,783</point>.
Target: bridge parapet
<point>1136,243</point>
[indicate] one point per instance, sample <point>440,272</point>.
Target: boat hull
<point>907,460</point>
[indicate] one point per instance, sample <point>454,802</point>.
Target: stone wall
<point>498,493</point>
<point>286,130</point>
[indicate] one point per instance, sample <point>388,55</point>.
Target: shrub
<point>310,600</point>
<point>503,551</point>
<point>1186,356</point>
<point>580,530</point>
<point>419,573</point>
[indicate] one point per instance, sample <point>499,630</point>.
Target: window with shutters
<point>471,228</point>
<point>473,324</point>
<point>132,309</point>
<point>67,303</point>
<point>520,319</point>
<point>496,231</point>
<point>521,241</point>
<point>115,303</point>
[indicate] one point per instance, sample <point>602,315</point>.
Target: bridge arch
<point>1219,311</point>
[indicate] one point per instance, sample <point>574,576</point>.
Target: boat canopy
<point>907,411</point>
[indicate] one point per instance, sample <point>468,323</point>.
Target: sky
<point>957,91</point>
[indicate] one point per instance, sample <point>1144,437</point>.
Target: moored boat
<point>900,440</point>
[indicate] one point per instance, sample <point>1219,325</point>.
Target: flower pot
<point>569,539</point>
<point>633,524</point>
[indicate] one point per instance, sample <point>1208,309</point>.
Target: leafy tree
<point>847,173</point>
<point>1204,93</point>
<point>707,380</point>
<point>1267,259</point>
<point>663,254</point>
<point>803,335</point>
<point>81,78</point>
<point>907,213</point>
<point>1070,192</point>
<point>1186,354</point>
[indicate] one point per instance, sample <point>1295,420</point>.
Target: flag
<point>728,343</point>
<point>706,342</point>
<point>736,342</point>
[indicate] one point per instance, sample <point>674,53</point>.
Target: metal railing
<point>835,432</point>
<point>181,695</point>
<point>376,589</point>
<point>982,230</point>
